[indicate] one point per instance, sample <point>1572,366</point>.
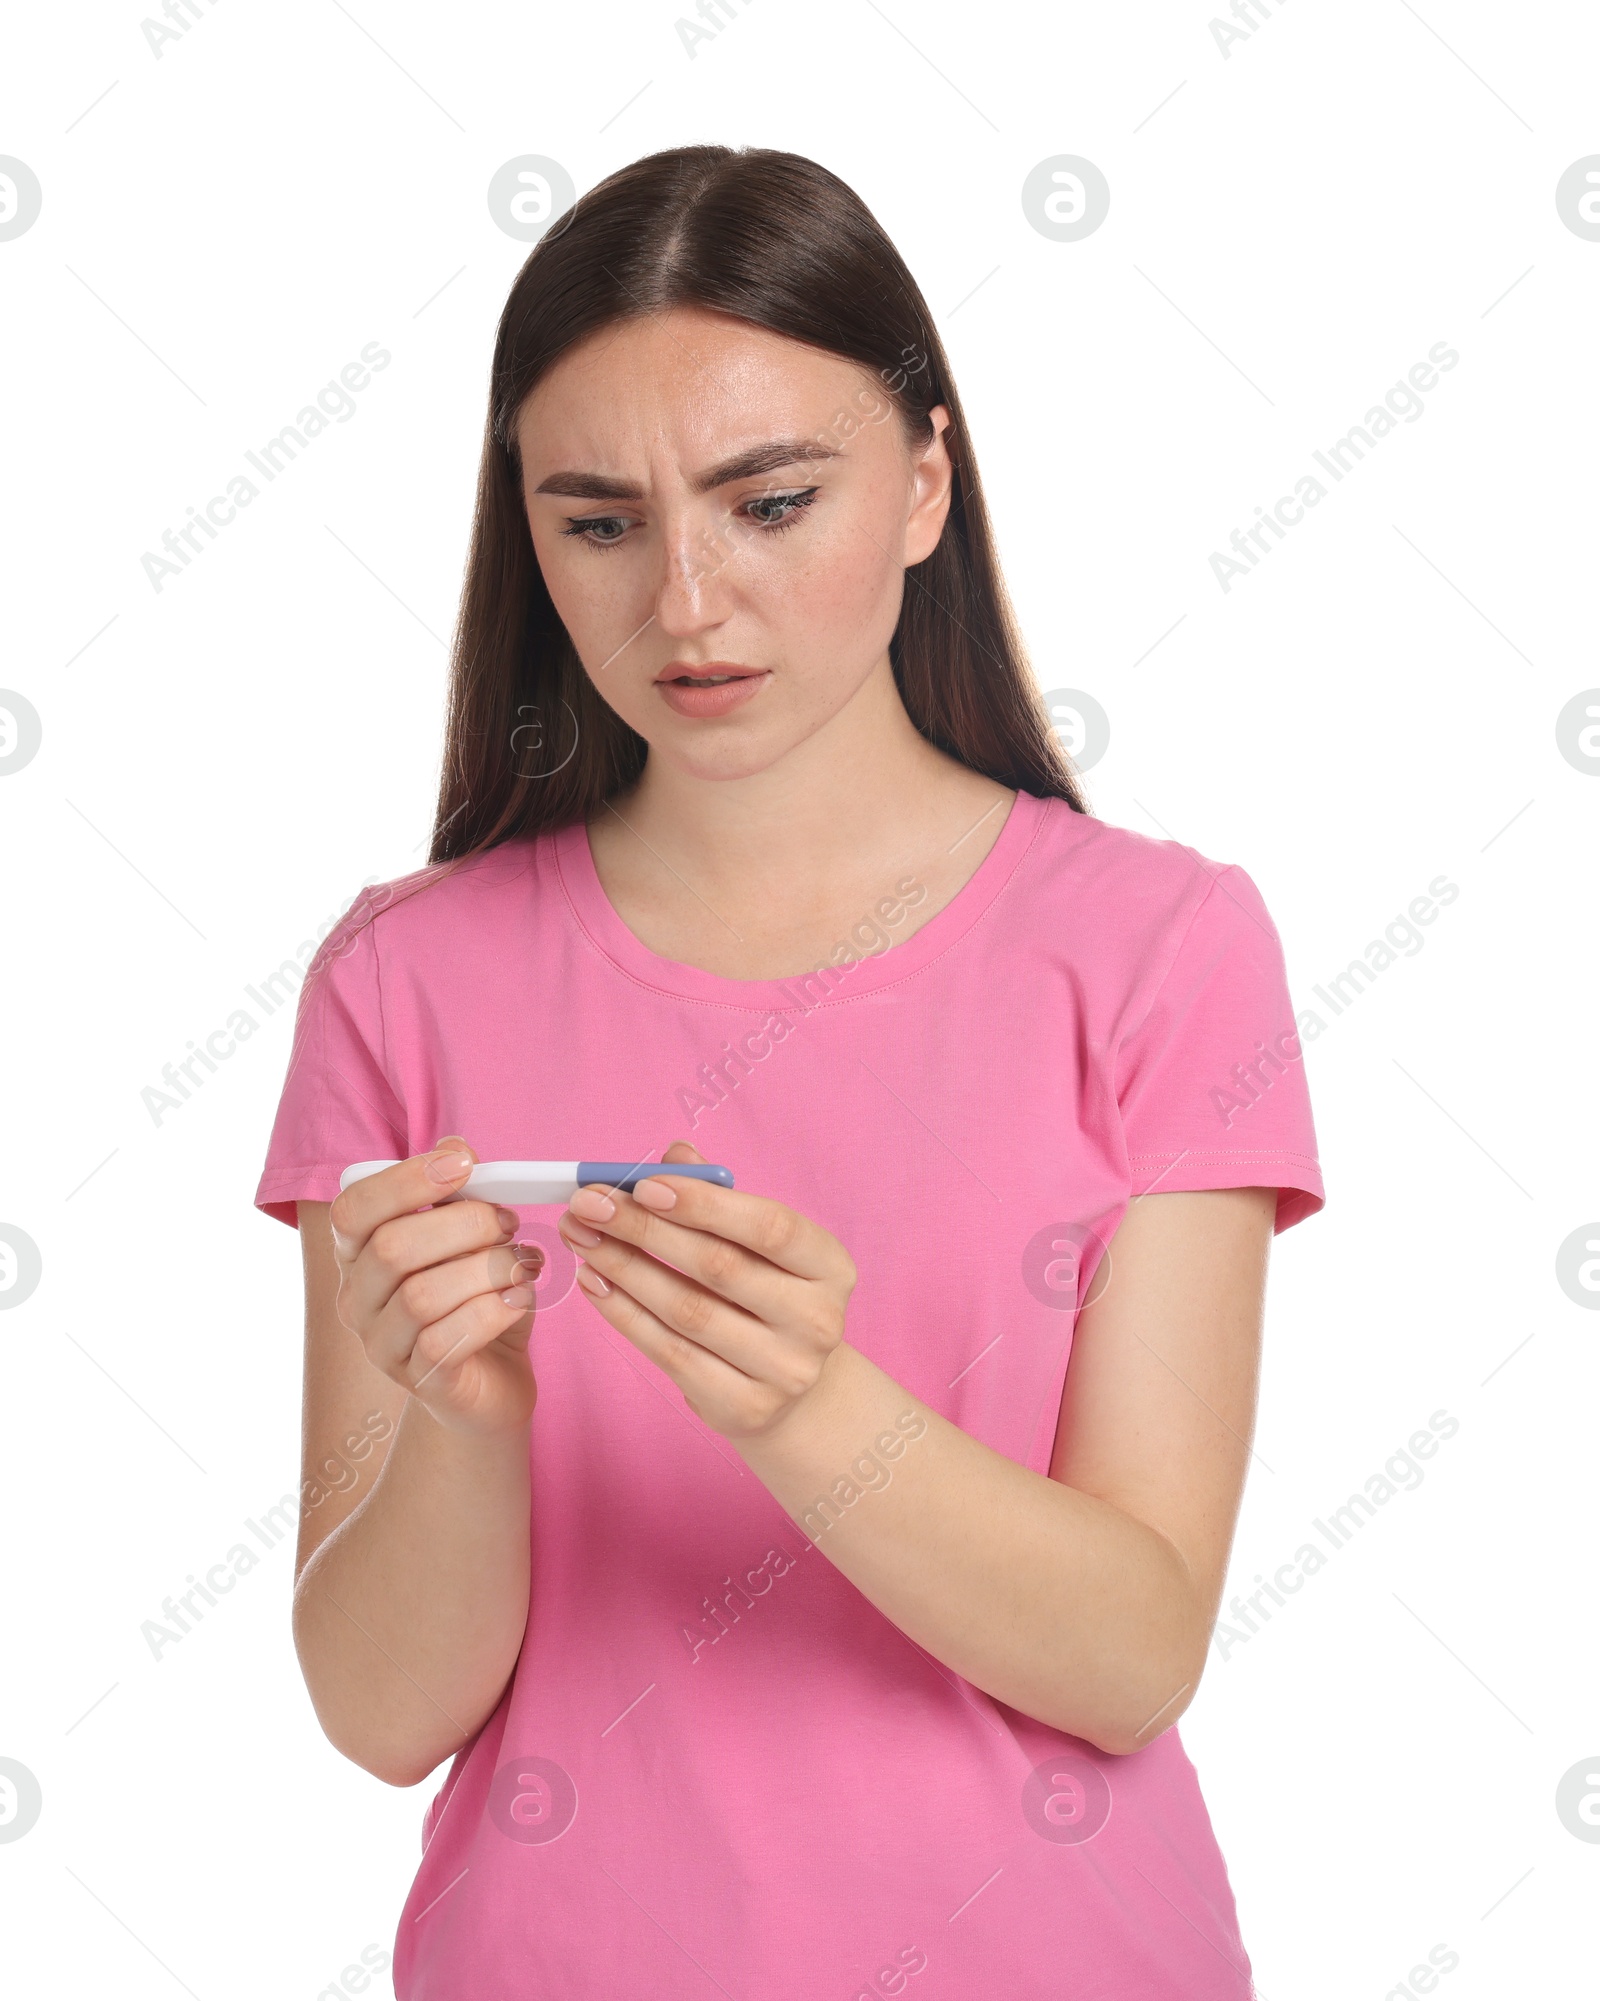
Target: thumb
<point>683,1155</point>
<point>457,1143</point>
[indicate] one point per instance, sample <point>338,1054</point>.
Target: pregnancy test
<point>524,1182</point>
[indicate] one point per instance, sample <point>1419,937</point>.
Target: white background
<point>224,762</point>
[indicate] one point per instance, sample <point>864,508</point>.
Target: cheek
<point>841,582</point>
<point>586,591</point>
<point>563,569</point>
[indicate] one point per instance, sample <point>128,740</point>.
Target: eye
<point>595,529</point>
<point>791,505</point>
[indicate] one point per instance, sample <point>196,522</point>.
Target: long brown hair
<point>773,239</point>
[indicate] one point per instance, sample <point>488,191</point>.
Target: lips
<point>715,673</point>
<point>711,688</point>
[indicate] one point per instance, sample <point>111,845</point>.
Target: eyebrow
<point>746,465</point>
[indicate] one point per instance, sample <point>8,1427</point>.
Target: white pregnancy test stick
<point>524,1182</point>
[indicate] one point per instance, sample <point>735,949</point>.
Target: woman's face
<point>711,500</point>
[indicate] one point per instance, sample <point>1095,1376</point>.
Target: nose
<point>694,593</point>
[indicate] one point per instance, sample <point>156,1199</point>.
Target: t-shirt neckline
<point>801,991</point>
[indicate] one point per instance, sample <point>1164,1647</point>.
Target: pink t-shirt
<point>718,1767</point>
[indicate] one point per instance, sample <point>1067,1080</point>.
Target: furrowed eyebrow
<point>588,486</point>
<point>764,458</point>
<point>746,465</point>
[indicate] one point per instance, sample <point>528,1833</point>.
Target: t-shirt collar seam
<point>764,1007</point>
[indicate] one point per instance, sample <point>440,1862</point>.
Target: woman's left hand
<point>739,1299</point>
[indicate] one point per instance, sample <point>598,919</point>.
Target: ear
<point>931,477</point>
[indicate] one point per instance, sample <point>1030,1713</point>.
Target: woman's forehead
<point>693,396</point>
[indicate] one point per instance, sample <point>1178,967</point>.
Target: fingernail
<point>509,1220</point>
<point>448,1166</point>
<point>530,1257</point>
<point>590,1202</point>
<point>654,1194</point>
<point>591,1281</point>
<point>518,1295</point>
<point>575,1232</point>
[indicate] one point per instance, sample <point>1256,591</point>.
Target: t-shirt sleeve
<point>338,1104</point>
<point>1211,1081</point>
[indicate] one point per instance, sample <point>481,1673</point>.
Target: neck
<point>867,786</point>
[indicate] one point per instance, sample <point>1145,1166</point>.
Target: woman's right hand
<point>440,1299</point>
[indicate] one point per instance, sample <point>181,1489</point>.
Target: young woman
<point>821,1632</point>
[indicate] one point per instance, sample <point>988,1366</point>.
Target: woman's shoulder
<point>424,909</point>
<point>1139,878</point>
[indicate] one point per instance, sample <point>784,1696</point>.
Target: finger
<point>400,1190</point>
<point>723,1267</point>
<point>407,1245</point>
<point>404,1190</point>
<point>442,1349</point>
<point>703,1377</point>
<point>506,1274</point>
<point>742,1340</point>
<point>385,1235</point>
<point>768,1229</point>
<point>683,1154</point>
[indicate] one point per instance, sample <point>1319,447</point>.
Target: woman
<point>821,1633</point>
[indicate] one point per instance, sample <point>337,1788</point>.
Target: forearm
<point>1048,1599</point>
<point>408,1619</point>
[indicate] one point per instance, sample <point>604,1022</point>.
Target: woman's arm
<point>1085,1599</point>
<point>411,1593</point>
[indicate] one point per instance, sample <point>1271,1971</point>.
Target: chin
<point>720,761</point>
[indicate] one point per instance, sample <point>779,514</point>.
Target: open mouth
<point>689,679</point>
<point>716,689</point>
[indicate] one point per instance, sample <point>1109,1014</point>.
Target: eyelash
<point>798,501</point>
